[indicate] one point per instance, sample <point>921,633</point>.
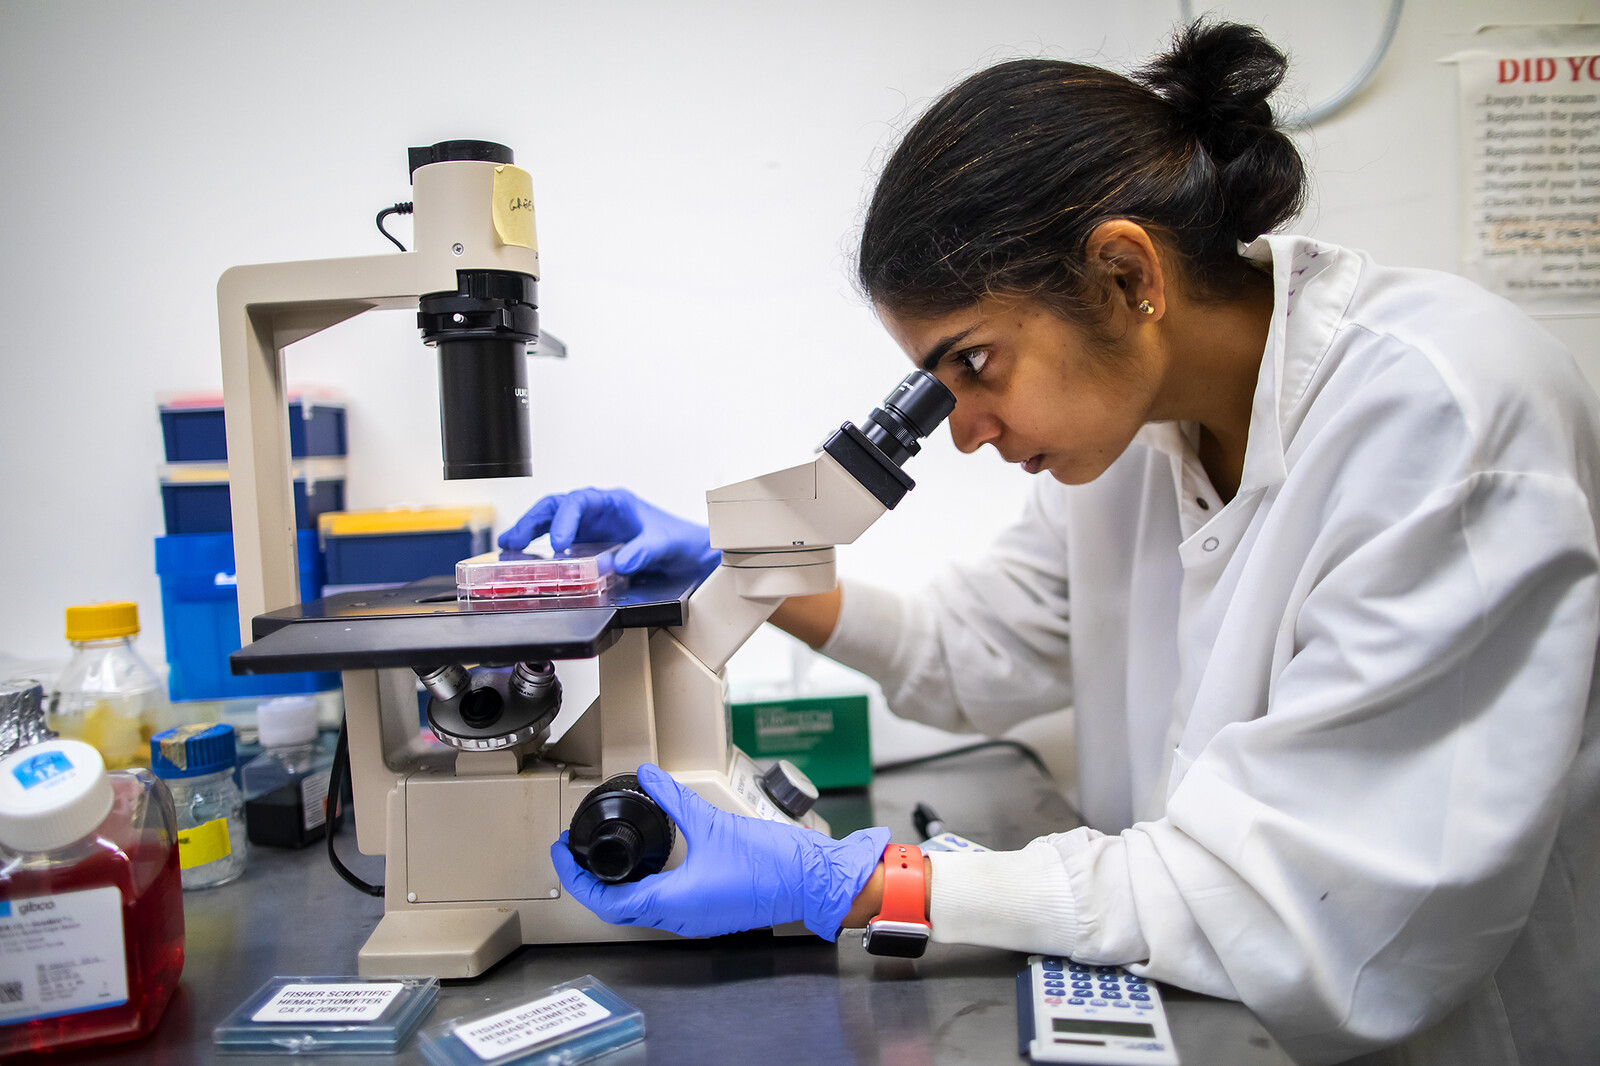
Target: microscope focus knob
<point>789,788</point>
<point>618,833</point>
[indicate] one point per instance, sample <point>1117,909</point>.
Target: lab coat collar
<point>1313,282</point>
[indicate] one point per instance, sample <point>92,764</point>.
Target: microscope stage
<point>424,624</point>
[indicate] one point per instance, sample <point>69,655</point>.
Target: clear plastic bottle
<point>91,910</point>
<point>108,696</point>
<point>285,786</point>
<point>196,762</point>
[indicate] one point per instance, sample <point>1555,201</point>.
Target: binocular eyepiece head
<point>912,411</point>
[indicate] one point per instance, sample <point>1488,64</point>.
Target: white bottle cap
<point>52,794</point>
<point>287,721</point>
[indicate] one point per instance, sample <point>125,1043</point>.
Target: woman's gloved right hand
<point>651,538</point>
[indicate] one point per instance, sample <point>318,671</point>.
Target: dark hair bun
<point>1217,78</point>
<point>999,186</point>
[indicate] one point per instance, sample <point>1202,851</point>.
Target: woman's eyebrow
<point>937,352</point>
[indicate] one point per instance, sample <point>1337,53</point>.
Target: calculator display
<point>1078,1025</point>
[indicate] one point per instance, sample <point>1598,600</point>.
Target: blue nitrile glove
<point>740,873</point>
<point>651,538</point>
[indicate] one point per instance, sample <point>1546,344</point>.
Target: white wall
<point>698,169</point>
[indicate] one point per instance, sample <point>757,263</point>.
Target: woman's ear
<point>1124,253</point>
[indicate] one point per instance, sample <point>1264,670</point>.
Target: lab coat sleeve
<point>1353,861</point>
<point>981,648</point>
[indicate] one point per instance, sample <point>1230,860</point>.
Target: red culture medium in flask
<point>91,920</point>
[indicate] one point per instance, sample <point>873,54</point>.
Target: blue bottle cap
<point>192,750</point>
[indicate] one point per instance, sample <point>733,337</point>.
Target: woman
<point>1316,563</point>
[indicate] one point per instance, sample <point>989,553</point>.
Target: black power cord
<point>397,209</point>
<point>982,745</point>
<point>335,818</point>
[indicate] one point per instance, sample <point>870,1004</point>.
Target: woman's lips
<point>1034,465</point>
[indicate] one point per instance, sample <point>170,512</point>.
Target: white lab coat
<point>1336,737</point>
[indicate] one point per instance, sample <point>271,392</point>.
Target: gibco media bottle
<point>91,908</point>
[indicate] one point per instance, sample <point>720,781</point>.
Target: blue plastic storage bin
<point>398,558</point>
<point>200,617</point>
<point>195,499</point>
<point>401,545</point>
<point>193,429</point>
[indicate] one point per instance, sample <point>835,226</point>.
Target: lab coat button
<point>1210,544</point>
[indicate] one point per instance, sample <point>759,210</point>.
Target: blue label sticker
<point>46,766</point>
<point>5,908</point>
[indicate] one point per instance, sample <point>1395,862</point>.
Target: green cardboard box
<point>827,737</point>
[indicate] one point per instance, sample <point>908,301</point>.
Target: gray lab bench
<point>736,1000</point>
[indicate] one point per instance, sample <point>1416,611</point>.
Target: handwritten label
<point>513,207</point>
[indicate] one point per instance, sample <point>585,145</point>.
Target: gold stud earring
<point>1146,307</point>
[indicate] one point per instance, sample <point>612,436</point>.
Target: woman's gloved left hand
<point>740,873</point>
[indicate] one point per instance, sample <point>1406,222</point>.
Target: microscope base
<point>444,943</point>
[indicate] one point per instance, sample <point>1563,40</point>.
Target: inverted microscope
<point>464,812</point>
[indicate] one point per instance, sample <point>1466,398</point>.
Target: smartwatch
<point>901,928</point>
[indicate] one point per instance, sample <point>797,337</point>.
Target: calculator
<point>1072,1012</point>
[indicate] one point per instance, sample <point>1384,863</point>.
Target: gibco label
<point>353,1001</point>
<point>61,954</point>
<point>531,1024</point>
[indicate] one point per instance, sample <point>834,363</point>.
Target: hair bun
<point>1217,78</point>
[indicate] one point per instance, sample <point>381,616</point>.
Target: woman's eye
<point>972,362</point>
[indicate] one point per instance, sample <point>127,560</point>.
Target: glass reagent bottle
<point>196,762</point>
<point>286,786</point>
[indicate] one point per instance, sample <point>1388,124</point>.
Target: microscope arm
<point>777,533</point>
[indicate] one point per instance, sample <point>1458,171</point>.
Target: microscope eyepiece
<point>912,411</point>
<point>874,454</point>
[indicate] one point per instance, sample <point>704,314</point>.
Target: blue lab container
<point>398,545</point>
<point>200,617</point>
<point>206,507</point>
<point>396,558</point>
<point>194,432</point>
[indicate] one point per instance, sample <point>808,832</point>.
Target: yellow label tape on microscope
<point>513,207</point>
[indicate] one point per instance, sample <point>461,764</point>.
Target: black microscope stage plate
<point>423,624</point>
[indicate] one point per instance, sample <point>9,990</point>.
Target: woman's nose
<point>971,428</point>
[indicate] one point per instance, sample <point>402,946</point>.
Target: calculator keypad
<point>1097,986</point>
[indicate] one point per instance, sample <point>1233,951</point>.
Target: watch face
<point>901,940</point>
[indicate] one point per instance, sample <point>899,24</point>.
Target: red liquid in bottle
<point>138,857</point>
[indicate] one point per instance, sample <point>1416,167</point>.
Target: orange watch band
<point>905,892</point>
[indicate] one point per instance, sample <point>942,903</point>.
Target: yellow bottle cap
<point>102,621</point>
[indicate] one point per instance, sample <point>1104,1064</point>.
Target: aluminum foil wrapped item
<point>22,720</point>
